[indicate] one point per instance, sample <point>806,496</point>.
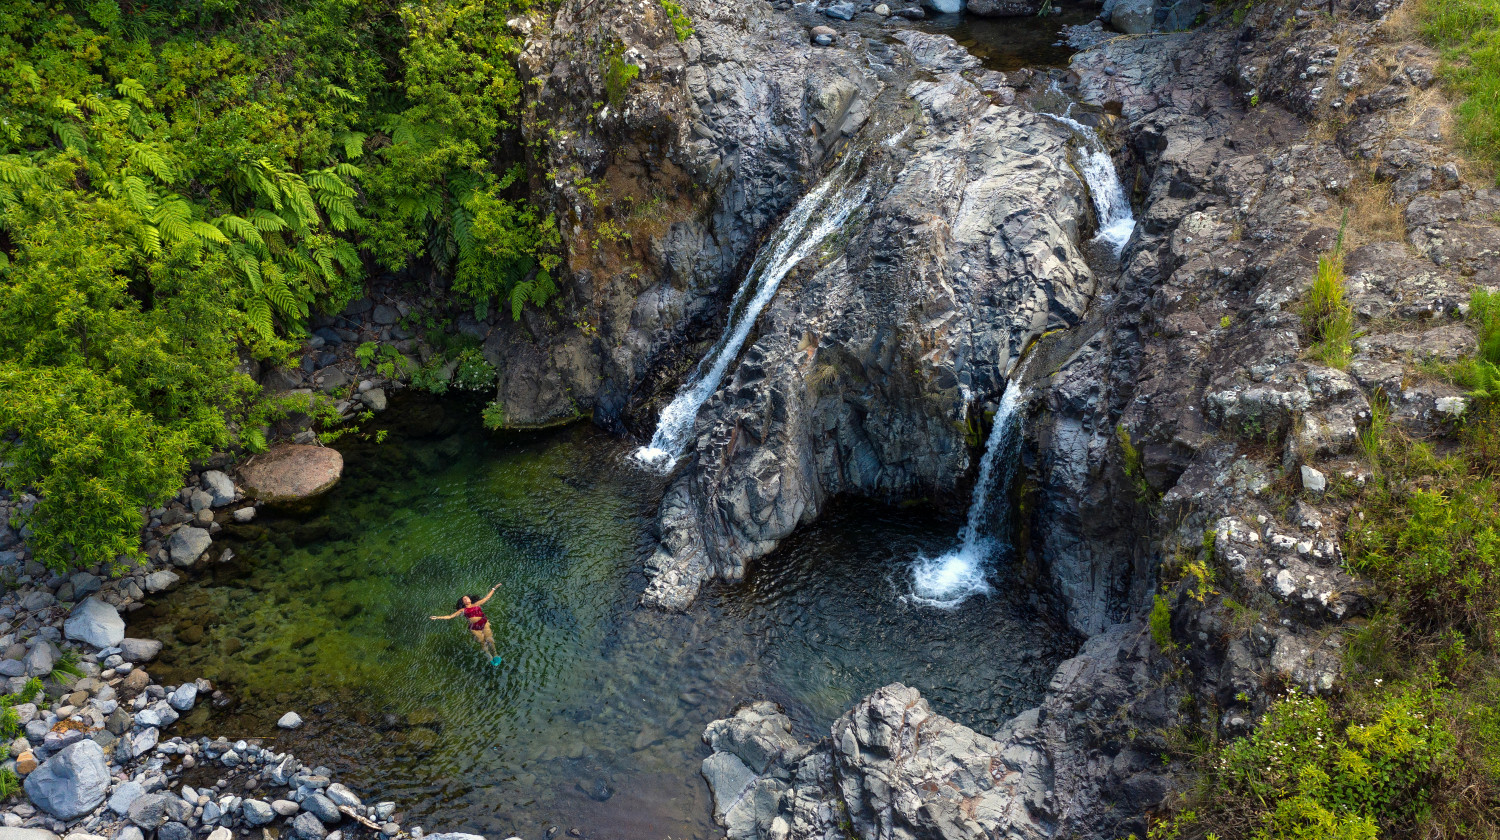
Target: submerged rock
<point>292,472</point>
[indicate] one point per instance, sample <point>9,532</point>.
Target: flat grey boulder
<point>164,579</point>
<point>125,795</point>
<point>257,812</point>
<point>187,545</point>
<point>305,826</point>
<point>40,659</point>
<point>454,835</point>
<point>1133,17</point>
<point>139,650</point>
<point>292,472</point>
<point>71,783</point>
<point>96,623</point>
<point>138,743</point>
<point>7,833</point>
<point>219,487</point>
<point>154,809</point>
<point>323,808</point>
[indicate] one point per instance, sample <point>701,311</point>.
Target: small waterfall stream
<point>952,577</point>
<point>1116,222</point>
<point>816,217</point>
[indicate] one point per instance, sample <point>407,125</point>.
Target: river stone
<point>40,659</point>
<point>174,831</point>
<point>187,545</point>
<point>449,835</point>
<point>12,668</point>
<point>164,579</point>
<point>78,835</point>
<point>824,36</point>
<point>257,812</point>
<point>305,826</point>
<point>220,833</point>
<point>10,833</point>
<point>292,472</point>
<point>184,697</point>
<point>137,743</point>
<point>139,650</point>
<point>96,623</point>
<point>343,796</point>
<point>841,11</point>
<point>374,399</point>
<point>154,809</point>
<point>323,808</point>
<point>125,795</point>
<point>285,807</point>
<point>219,486</point>
<point>129,832</point>
<point>290,720</point>
<point>71,783</point>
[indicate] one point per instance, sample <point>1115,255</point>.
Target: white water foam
<point>956,575</point>
<point>817,216</point>
<point>1116,222</point>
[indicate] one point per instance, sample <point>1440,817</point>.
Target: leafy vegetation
<point>1468,33</point>
<point>682,25</point>
<point>182,182</point>
<point>1325,314</point>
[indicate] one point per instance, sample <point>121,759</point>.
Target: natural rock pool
<point>594,719</point>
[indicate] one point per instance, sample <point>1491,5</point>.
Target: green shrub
<point>681,23</point>
<point>473,373</point>
<point>1161,622</point>
<point>618,74</point>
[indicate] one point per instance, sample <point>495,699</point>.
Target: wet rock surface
<point>292,473</point>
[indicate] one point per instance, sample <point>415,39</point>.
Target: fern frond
<point>241,228</point>
<point>71,136</point>
<point>258,313</point>
<point>346,255</point>
<point>348,170</point>
<point>66,107</point>
<point>286,301</point>
<point>19,171</point>
<point>352,141</point>
<point>138,195</point>
<point>150,240</point>
<point>266,221</point>
<point>344,94</point>
<point>208,233</point>
<point>149,159</point>
<point>133,90</point>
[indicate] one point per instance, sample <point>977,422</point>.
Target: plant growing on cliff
<point>1160,622</point>
<point>682,25</point>
<point>618,74</point>
<point>1468,33</point>
<point>1325,314</point>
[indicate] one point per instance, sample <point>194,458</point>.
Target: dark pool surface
<point>1007,44</point>
<point>594,719</point>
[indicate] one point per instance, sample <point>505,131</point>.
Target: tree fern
<point>353,143</point>
<point>150,239</point>
<point>133,90</point>
<point>71,136</point>
<point>208,233</point>
<point>243,229</point>
<point>266,221</point>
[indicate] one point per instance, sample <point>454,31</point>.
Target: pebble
<point>290,720</point>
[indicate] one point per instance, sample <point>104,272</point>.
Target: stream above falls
<point>594,719</point>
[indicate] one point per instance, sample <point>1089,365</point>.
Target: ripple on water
<point>595,718</point>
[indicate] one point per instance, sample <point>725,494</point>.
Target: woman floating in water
<point>469,608</point>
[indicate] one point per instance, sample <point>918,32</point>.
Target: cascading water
<point>817,216</point>
<point>952,577</point>
<point>1116,222</point>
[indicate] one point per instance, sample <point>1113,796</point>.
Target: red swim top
<point>476,618</point>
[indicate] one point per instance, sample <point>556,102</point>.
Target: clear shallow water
<point>594,720</point>
<point>1008,44</point>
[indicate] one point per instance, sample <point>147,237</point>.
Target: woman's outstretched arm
<point>445,617</point>
<point>487,597</point>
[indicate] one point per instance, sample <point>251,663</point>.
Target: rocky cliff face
<point>667,161</point>
<point>1183,434</point>
<point>871,364</point>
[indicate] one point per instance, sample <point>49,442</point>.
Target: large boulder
<point>187,545</point>
<point>292,472</point>
<point>95,622</point>
<point>71,783</point>
<point>1133,17</point>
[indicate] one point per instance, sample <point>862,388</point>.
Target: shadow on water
<point>594,719</point>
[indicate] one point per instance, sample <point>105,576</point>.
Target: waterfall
<point>1098,169</point>
<point>817,216</point>
<point>950,578</point>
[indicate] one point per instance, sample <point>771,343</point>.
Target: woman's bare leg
<point>489,640</point>
<point>479,637</point>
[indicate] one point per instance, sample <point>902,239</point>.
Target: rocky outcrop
<point>291,473</point>
<point>870,363</point>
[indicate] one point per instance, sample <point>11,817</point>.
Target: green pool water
<point>594,720</point>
